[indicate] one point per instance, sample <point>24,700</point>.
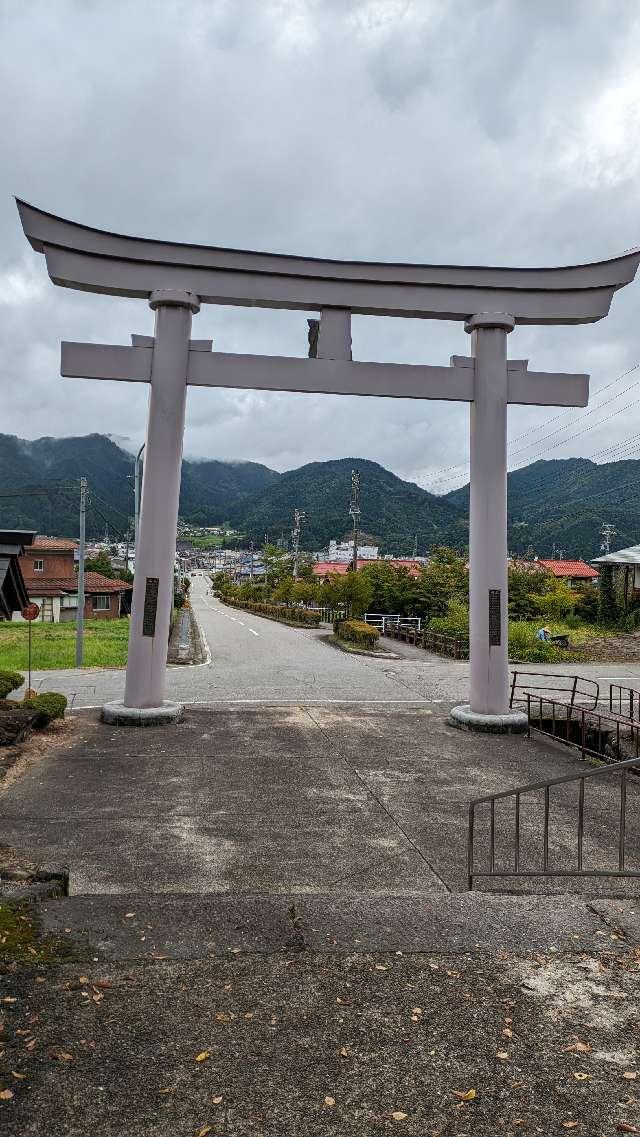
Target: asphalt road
<point>253,660</point>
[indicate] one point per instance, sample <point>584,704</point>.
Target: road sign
<point>31,612</point>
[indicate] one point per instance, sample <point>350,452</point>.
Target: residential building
<point>51,580</point>
<point>574,572</point>
<point>343,551</point>
<point>626,572</point>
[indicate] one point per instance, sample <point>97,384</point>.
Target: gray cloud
<point>477,131</point>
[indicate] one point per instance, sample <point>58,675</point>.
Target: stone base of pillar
<point>513,722</point>
<point>118,715</point>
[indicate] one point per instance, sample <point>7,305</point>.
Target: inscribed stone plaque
<point>494,617</point>
<point>150,606</point>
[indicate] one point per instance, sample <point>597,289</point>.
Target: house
<point>626,572</point>
<point>13,591</point>
<point>324,568</point>
<point>574,572</point>
<point>51,581</point>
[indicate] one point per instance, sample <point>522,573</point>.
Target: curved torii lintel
<point>94,260</point>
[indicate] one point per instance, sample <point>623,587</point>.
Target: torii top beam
<point>93,260</point>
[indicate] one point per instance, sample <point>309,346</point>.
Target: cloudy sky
<point>446,131</point>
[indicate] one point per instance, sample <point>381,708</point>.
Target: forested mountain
<point>210,491</point>
<point>563,502</point>
<point>393,511</point>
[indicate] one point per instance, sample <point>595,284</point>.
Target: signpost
<point>30,613</point>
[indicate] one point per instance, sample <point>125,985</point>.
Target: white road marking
<point>254,633</point>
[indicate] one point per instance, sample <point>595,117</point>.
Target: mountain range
<point>562,502</point>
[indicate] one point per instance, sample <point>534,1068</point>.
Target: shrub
<point>285,613</point>
<point>49,705</point>
<point>357,632</point>
<point>10,681</point>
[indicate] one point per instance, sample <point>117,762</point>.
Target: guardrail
<point>579,691</point>
<point>384,620</point>
<point>620,769</point>
<point>456,647</point>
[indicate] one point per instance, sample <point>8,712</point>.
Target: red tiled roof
<point>58,586</point>
<point>570,568</point>
<point>53,545</point>
<point>321,568</point>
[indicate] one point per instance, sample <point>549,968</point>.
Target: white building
<point>343,551</point>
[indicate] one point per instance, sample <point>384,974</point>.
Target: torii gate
<point>176,279</point>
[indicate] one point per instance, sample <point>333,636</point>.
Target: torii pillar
<point>175,279</point>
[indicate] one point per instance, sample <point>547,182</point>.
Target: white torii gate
<point>176,279</point>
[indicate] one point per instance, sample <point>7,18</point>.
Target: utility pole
<point>354,513</point>
<point>298,519</point>
<point>80,611</point>
<point>557,554</point>
<point>251,560</point>
<point>415,545</point>
<point>607,532</point>
<point>136,495</point>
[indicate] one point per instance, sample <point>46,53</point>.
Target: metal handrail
<point>620,768</point>
<point>588,717</point>
<point>632,697</point>
<point>592,692</point>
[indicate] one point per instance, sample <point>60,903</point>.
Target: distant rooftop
<point>569,568</point>
<point>630,556</point>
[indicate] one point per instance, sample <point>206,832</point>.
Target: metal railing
<point>578,691</point>
<point>620,769</point>
<point>383,620</point>
<point>624,701</point>
<point>580,726</point>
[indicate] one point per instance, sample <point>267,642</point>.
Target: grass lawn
<point>54,645</point>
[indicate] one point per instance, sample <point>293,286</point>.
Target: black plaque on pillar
<point>494,617</point>
<point>150,606</point>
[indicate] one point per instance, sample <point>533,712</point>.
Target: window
<point>101,602</point>
<point>69,602</point>
<point>38,566</point>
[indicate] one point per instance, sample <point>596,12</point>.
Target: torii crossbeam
<point>176,279</point>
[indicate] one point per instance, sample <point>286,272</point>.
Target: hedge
<point>49,705</point>
<point>357,632</point>
<point>10,681</point>
<point>285,613</point>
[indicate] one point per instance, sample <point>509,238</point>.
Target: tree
<point>557,600</point>
<point>100,563</point>
<point>526,585</point>
<point>607,603</point>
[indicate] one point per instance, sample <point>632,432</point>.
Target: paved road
<point>255,660</point>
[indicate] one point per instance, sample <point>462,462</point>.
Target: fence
<point>492,870</point>
<point>383,621</point>
<point>572,688</point>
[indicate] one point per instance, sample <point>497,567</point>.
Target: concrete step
<point>144,926</point>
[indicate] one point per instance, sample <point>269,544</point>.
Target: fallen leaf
<point>382,967</point>
<point>235,950</point>
<point>580,1076</point>
<point>20,1077</point>
<point>216,1100</point>
<point>398,1115</point>
<point>578,1048</point>
<point>203,1055</point>
<point>503,1054</point>
<point>31,1044</point>
<point>6,1095</point>
<point>329,1101</point>
<point>464,1095</point>
<point>624,1127</point>
<point>8,999</point>
<point>569,1124</point>
<point>203,1132</point>
<point>416,1010</point>
<point>64,1056</point>
<point>344,1052</point>
<point>166,1090</point>
<point>222,1017</point>
<point>630,1075</point>
<point>82,979</point>
<point>343,1002</point>
<point>128,915</point>
<point>507,1032</point>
